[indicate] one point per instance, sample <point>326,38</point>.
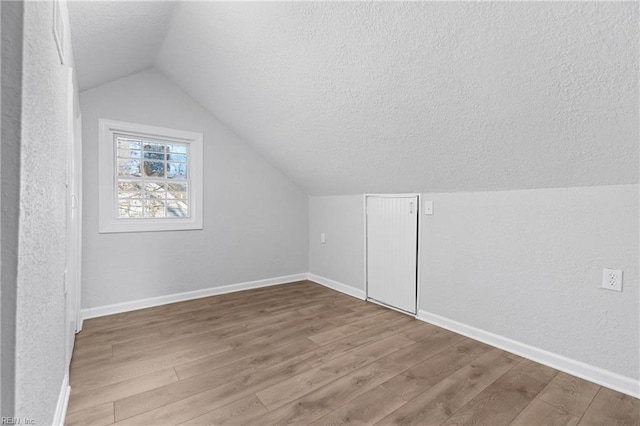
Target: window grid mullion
<point>143,179</point>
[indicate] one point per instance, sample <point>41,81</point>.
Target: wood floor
<point>303,354</point>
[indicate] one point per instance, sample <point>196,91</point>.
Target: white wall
<point>255,219</point>
<point>12,13</point>
<point>40,305</point>
<point>341,258</point>
<point>525,265</point>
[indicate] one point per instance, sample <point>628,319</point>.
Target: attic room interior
<point>266,213</point>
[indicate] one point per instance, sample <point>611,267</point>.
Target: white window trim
<point>108,220</point>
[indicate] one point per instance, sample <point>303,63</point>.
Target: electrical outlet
<point>323,238</point>
<point>612,279</point>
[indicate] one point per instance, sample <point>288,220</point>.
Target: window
<point>150,178</point>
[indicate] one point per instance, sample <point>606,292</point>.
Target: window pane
<point>154,147</point>
<point>129,194</point>
<point>155,195</point>
<point>154,208</point>
<point>177,157</point>
<point>124,185</point>
<point>177,148</point>
<point>177,209</point>
<point>153,155</point>
<point>154,168</point>
<point>125,143</point>
<point>155,190</point>
<point>154,186</point>
<point>129,153</point>
<point>176,170</point>
<point>177,187</point>
<point>129,208</point>
<point>129,168</point>
<point>177,196</point>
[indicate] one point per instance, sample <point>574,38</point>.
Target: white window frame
<point>107,174</point>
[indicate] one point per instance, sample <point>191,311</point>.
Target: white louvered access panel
<point>392,237</point>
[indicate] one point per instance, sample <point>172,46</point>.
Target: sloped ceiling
<point>430,97</point>
<point>112,39</point>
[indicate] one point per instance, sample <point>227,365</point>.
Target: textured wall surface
<point>255,219</point>
<point>527,265</point>
<point>353,97</point>
<point>341,219</point>
<point>40,310</point>
<point>113,39</point>
<point>12,14</point>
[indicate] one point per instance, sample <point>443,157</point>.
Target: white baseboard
<point>335,285</point>
<point>580,369</point>
<point>63,402</point>
<point>134,305</point>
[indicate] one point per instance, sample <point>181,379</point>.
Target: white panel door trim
<point>73,236</point>
<point>403,195</point>
<point>418,196</point>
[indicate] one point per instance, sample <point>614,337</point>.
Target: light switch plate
<point>428,207</point>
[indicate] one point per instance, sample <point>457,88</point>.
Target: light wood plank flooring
<point>303,354</point>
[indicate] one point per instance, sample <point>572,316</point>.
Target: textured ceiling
<point>409,96</point>
<point>112,39</point>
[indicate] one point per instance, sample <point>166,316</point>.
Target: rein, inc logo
<point>17,421</point>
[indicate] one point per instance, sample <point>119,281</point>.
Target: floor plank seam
<point>262,402</point>
<point>305,354</point>
<point>589,406</point>
<point>453,414</point>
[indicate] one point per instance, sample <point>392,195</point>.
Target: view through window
<point>153,179</point>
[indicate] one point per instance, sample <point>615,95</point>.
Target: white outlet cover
<point>612,279</point>
<point>428,207</point>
